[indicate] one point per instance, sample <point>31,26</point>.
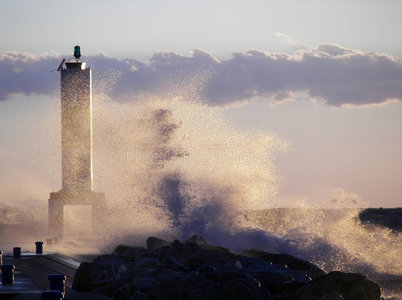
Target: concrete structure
<point>76,147</point>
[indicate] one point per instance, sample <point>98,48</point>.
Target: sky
<point>326,76</point>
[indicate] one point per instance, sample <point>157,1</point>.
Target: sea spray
<point>181,167</point>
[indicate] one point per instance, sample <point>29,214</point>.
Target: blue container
<point>39,247</point>
<point>17,252</point>
<point>52,295</point>
<point>7,274</point>
<point>58,282</point>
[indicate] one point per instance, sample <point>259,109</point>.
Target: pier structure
<point>76,147</point>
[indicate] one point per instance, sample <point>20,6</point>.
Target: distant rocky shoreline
<point>192,269</point>
<point>385,217</point>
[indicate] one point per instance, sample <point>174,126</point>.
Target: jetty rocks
<point>386,217</point>
<point>195,270</point>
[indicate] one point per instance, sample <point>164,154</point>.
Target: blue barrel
<point>7,274</point>
<point>17,252</point>
<point>52,295</point>
<point>39,247</point>
<point>58,282</point>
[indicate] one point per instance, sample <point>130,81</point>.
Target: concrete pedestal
<point>58,200</point>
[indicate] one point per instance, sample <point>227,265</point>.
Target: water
<point>173,168</point>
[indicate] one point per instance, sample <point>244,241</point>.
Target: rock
<point>196,239</point>
<point>124,292</point>
<point>287,261</point>
<point>284,260</point>
<point>154,243</point>
<point>110,261</point>
<point>118,282</point>
<point>81,278</point>
<point>177,245</point>
<point>206,268</point>
<point>197,287</point>
<point>332,296</point>
<point>120,249</point>
<point>148,263</point>
<point>200,241</point>
<point>216,248</point>
<point>386,217</point>
<point>171,263</point>
<point>351,286</point>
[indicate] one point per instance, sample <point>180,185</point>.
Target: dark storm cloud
<point>330,73</point>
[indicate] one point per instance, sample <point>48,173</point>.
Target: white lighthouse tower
<point>76,147</point>
<point>76,125</point>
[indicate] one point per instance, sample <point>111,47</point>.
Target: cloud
<point>291,41</point>
<point>24,73</point>
<point>331,74</point>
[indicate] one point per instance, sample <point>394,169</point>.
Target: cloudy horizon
<point>330,74</point>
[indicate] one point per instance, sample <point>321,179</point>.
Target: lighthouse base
<point>58,200</point>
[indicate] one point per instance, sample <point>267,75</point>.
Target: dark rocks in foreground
<point>195,270</point>
<point>386,217</point>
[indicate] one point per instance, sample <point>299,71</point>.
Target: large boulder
<point>196,239</point>
<point>287,261</point>
<point>82,278</point>
<point>351,286</point>
<point>154,243</point>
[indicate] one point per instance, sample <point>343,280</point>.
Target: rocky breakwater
<point>195,270</point>
<point>385,217</point>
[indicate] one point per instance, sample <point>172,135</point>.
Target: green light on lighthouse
<point>77,52</point>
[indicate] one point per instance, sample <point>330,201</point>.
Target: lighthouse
<point>76,147</point>
<point>76,125</point>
